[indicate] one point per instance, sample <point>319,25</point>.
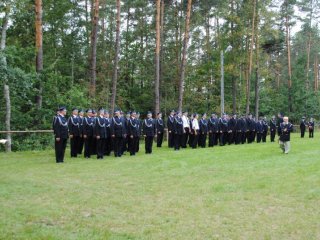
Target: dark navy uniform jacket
<point>213,125</point>
<point>100,127</point>
<point>159,125</point>
<point>149,128</point>
<point>133,127</point>
<point>88,123</point>
<point>223,125</point>
<point>178,126</point>
<point>273,125</point>
<point>60,127</point>
<point>232,124</point>
<point>203,126</point>
<point>170,122</point>
<point>74,126</point>
<point>117,127</point>
<point>259,127</point>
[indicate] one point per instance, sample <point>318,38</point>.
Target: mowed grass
<point>232,192</point>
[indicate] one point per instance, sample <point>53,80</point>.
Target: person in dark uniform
<point>139,131</point>
<point>303,125</point>
<point>178,131</point>
<point>251,129</point>
<point>100,133</point>
<point>88,134</point>
<point>311,127</point>
<point>118,133</point>
<point>170,122</point>
<point>74,132</point>
<point>279,121</point>
<point>223,129</point>
<point>213,129</point>
<point>231,129</point>
<point>203,130</point>
<point>60,130</point>
<point>273,128</point>
<point>149,131</point>
<point>133,133</point>
<point>238,131</point>
<point>108,141</point>
<point>81,140</point>
<point>94,139</point>
<point>259,130</point>
<point>243,130</point>
<point>159,129</point>
<point>191,132</point>
<point>125,146</point>
<point>265,128</point>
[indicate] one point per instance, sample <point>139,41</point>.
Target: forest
<point>156,55</point>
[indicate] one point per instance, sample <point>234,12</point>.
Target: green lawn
<point>232,192</point>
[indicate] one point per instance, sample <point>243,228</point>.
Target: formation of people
<point>100,133</point>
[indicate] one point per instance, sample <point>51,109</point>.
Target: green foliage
<point>214,26</point>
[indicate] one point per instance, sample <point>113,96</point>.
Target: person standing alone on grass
<point>60,130</point>
<point>285,129</point>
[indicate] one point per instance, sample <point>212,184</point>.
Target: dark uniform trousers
<point>191,138</point>
<point>74,145</point>
<point>259,137</point>
<point>159,139</point>
<point>195,139</point>
<point>107,146</point>
<point>212,137</point>
<point>177,141</point>
<point>117,145</point>
<point>100,147</point>
<point>80,146</point>
<point>148,144</point>
<point>185,137</point>
<point>60,148</point>
<point>223,138</point>
<point>133,145</point>
<point>202,139</point>
<point>171,140</point>
<point>272,135</point>
<point>88,146</point>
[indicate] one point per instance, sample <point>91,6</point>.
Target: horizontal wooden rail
<point>28,131</point>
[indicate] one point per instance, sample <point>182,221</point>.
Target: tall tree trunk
<point>116,58</point>
<point>161,45</point>
<point>93,54</point>
<point>257,83</point>
<point>184,55</point>
<point>39,50</point>
<point>6,90</point>
<point>289,62</point>
<point>157,81</point>
<point>87,23</point>
<point>248,75</point>
<point>234,80</point>
<point>316,73</point>
<point>308,61</point>
<point>177,44</point>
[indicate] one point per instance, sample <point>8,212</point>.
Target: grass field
<point>232,192</point>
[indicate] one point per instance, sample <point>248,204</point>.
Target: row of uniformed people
<point>99,134</point>
<point>193,130</point>
<point>304,124</point>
